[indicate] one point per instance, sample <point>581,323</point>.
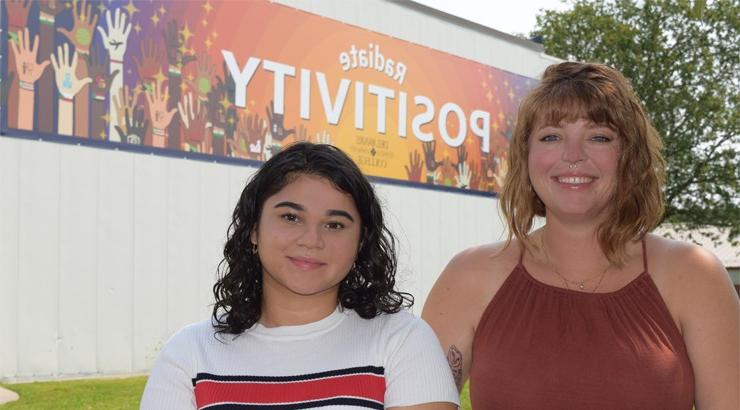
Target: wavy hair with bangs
<point>570,91</point>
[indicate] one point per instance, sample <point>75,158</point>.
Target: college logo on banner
<point>244,79</point>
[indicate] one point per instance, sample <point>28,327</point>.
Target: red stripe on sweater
<point>364,386</point>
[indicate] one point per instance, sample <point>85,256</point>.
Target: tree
<point>683,60</point>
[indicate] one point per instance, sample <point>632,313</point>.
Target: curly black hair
<point>368,288</point>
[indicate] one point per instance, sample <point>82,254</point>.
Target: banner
<point>244,79</point>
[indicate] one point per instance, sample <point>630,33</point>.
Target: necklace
<point>580,283</point>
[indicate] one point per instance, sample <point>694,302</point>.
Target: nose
<point>311,237</point>
<point>573,151</point>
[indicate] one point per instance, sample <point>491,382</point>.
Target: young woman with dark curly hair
<point>306,313</point>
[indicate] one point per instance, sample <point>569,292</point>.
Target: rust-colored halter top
<point>542,347</point>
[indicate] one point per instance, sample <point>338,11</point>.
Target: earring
<point>254,249</point>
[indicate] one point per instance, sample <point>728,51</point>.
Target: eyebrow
<point>299,207</point>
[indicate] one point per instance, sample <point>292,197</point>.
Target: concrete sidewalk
<point>6,396</point>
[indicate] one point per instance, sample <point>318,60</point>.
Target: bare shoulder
<point>689,277</point>
<point>684,264</point>
<point>472,277</point>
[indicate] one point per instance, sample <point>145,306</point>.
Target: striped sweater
<point>341,361</point>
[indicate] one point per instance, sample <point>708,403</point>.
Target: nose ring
<point>573,165</point>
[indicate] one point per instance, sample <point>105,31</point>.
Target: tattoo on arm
<point>455,359</point>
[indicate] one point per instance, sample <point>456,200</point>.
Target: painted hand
<point>277,129</point>
<point>323,137</point>
<point>159,115</point>
<point>194,117</point>
<point>151,63</point>
<point>463,175</point>
<point>25,58</point>
<point>82,32</point>
<point>64,72</point>
<point>102,79</point>
<point>135,127</point>
<point>125,101</point>
<point>413,170</point>
<point>17,14</point>
<point>114,40</point>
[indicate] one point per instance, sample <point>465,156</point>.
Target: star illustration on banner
<point>489,96</point>
<point>101,8</point>
<point>186,33</point>
<point>208,43</point>
<point>137,28</point>
<point>155,19</point>
<point>159,77</point>
<point>131,8</point>
<point>225,103</point>
<point>162,10</point>
<point>207,7</point>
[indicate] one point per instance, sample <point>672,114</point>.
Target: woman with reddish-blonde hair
<point>590,311</point>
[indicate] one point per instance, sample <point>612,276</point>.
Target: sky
<point>513,17</point>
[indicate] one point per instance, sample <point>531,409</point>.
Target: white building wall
<point>104,254</point>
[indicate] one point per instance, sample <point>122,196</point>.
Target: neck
<point>574,249</point>
<point>281,309</point>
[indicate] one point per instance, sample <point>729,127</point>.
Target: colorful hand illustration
<point>50,7</point>
<point>25,53</point>
<point>253,129</point>
<point>174,45</point>
<point>98,68</point>
<point>447,172</point>
<point>114,40</point>
<point>277,129</point>
<point>413,170</point>
<point>488,172</point>
<point>136,127</point>
<point>151,63</point>
<point>194,116</point>
<point>85,20</point>
<point>65,72</point>
<point>302,134</point>
<point>464,175</point>
<point>159,115</point>
<point>432,164</point>
<point>125,100</point>
<point>203,81</point>
<point>323,137</point>
<point>502,170</point>
<point>17,12</point>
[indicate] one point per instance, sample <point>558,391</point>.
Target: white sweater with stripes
<point>341,361</point>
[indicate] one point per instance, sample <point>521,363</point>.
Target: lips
<point>306,263</point>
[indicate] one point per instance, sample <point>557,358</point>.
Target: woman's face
<point>307,239</point>
<point>573,168</point>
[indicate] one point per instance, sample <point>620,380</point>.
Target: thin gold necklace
<point>580,283</point>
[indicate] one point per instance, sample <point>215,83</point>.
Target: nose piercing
<point>573,165</point>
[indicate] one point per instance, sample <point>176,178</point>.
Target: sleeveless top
<point>539,346</point>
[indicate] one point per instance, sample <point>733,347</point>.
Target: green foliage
<point>96,394</point>
<point>683,60</point>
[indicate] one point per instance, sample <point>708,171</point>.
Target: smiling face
<point>307,240</point>
<point>573,167</point>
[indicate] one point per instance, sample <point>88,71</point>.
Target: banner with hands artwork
<point>243,79</point>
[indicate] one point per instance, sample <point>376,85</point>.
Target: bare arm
<point>458,299</point>
<point>709,316</point>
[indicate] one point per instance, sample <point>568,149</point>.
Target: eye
<point>334,226</point>
<point>290,218</point>
<point>549,138</point>
<point>600,138</point>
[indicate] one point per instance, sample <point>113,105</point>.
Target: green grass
<point>78,394</point>
<point>98,394</point>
